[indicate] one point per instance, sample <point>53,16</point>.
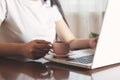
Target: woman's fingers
<point>42,46</point>
<point>42,42</point>
<point>38,54</point>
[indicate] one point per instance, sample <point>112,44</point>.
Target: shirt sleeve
<point>57,14</point>
<point>2,9</point>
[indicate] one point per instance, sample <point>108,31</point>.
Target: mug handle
<point>51,50</point>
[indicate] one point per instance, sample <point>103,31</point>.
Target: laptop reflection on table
<point>105,73</point>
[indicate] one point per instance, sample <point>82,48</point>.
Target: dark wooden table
<point>43,70</point>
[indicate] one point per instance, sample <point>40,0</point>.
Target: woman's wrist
<point>92,43</point>
<point>10,49</point>
<point>89,43</point>
<point>20,51</point>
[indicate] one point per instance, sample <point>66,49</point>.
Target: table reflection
<point>18,70</point>
<point>21,70</point>
<point>111,72</point>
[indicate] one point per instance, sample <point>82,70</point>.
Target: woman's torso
<point>28,20</point>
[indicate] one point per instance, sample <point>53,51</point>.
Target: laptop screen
<point>108,50</point>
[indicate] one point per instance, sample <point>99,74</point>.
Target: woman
<point>29,26</point>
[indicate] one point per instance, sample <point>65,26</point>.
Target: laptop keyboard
<point>84,59</point>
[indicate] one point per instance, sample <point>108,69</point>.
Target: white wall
<point>84,16</point>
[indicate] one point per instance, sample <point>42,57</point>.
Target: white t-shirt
<point>27,20</point>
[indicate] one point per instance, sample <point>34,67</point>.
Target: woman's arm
<point>0,22</point>
<point>34,49</point>
<point>65,34</point>
<point>10,49</point>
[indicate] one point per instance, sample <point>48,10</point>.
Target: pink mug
<point>60,48</point>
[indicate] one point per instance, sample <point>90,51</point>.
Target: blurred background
<point>84,16</point>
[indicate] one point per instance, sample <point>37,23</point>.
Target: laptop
<point>108,47</point>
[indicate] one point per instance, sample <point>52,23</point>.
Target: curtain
<point>84,16</point>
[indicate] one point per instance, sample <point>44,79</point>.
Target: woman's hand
<point>93,42</point>
<point>35,49</point>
